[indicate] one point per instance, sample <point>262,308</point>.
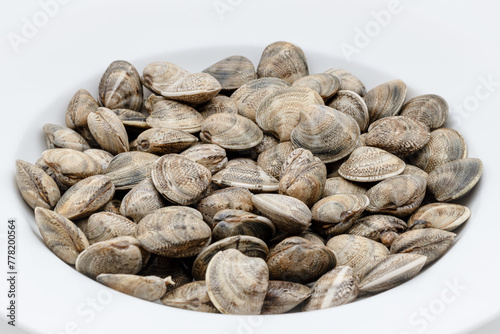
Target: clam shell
<point>86,197</point>
<point>128,169</point>
<point>247,245</point>
<point>237,284</point>
<point>272,160</point>
<point>430,109</point>
<point>230,131</point>
<point>211,156</point>
<point>326,85</point>
<point>103,158</point>
<point>247,176</point>
<point>230,222</point>
<point>299,260</point>
<point>149,288</point>
<point>192,296</point>
<point>37,188</point>
<point>313,237</point>
<point>165,267</point>
<point>327,133</point>
<point>113,206</point>
<point>348,81</point>
<point>287,213</point>
<point>103,226</point>
<point>339,185</point>
<point>132,118</point>
<point>175,115</point>
<point>241,161</point>
<point>444,216</point>
<point>232,72</point>
<point>380,228</point>
<point>268,141</point>
<point>353,105</point>
<point>369,164</point>
<point>413,170</point>
<point>444,145</point>
<point>164,140</point>
<point>174,232</point>
<point>279,111</point>
<point>282,296</point>
<point>391,271</point>
<point>80,106</point>
<point>398,134</point>
<point>120,87</point>
<point>108,130</point>
<point>283,60</point>
<point>398,195</point>
<point>357,252</point>
<point>337,287</point>
<point>60,235</point>
<point>454,179</point>
<point>62,137</point>
<point>386,99</point>
<point>219,104</point>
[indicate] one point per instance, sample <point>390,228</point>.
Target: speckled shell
<point>312,237</point>
<point>282,296</point>
<point>454,179</point>
<point>327,133</point>
<point>86,197</point>
<point>380,228</point>
<point>164,140</point>
<point>353,105</point>
<point>339,185</point>
<point>398,195</point>
<point>80,106</point>
<point>272,160</point>
<point>179,179</point>
<point>241,161</point>
<point>62,137</point>
<point>348,81</point>
<point>120,87</point>
<point>230,131</point>
<point>174,115</point>
<point>299,260</point>
<point>303,177</point>
<point>149,288</point>
<point>268,141</point>
<point>413,170</point>
<point>279,112</point>
<point>37,188</point>
<point>131,118</point>
<point>129,168</point>
<point>174,231</point>
<point>211,156</point>
<point>60,235</point>
<point>102,157</point>
<point>337,287</point>
<point>237,284</point>
<point>103,226</point>
<point>326,85</point>
<point>108,130</point>
<point>121,255</point>
<point>386,99</point>
<point>444,145</point>
<point>232,72</point>
<point>444,216</point>
<point>370,164</point>
<point>357,252</point>
<point>219,104</point>
<point>429,242</point>
<point>283,60</point>
<point>230,222</point>
<point>248,245</point>
<point>398,134</point>
<point>287,213</point>
<point>248,97</point>
<point>247,176</point>
<point>430,109</point>
<point>192,296</point>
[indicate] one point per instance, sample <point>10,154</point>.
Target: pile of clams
<point>244,190</point>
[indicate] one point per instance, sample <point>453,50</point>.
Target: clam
<point>272,160</point>
<point>287,213</point>
<point>351,104</point>
<point>174,232</point>
<point>122,255</point>
<point>149,288</point>
<point>335,214</point>
<point>80,106</point>
<point>132,119</point>
<point>268,141</point>
<point>175,83</point>
<point>211,156</point>
<point>299,260</point>
<point>398,195</point>
<point>357,252</point>
<point>413,170</point>
<point>279,111</point>
<point>60,235</point>
<point>303,176</point>
<point>102,226</point>
<point>231,222</point>
<point>37,188</point>
<point>454,179</point>
<point>108,130</point>
<point>397,134</point>
<point>174,115</point>
<point>128,169</point>
<point>327,133</point>
<point>337,287</point>
<point>283,60</point>
<point>248,97</point>
<point>219,104</point>
<point>113,206</point>
<point>430,109</point>
<point>102,157</point>
<point>326,85</point>
<point>391,271</point>
<point>164,140</point>
<point>313,237</point>
<point>192,296</point>
<point>62,137</point>
<point>232,72</point>
<point>237,284</point>
<point>339,185</point>
<point>282,296</point>
<point>348,81</point>
<point>230,131</point>
<point>247,176</point>
<point>179,179</point>
<point>165,267</point>
<point>444,216</point>
<point>386,99</point>
<point>444,145</point>
<point>247,245</point>
<point>241,161</point>
<point>380,228</point>
<point>429,242</point>
<point>369,164</point>
<point>120,87</point>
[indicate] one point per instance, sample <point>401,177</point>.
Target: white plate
<point>430,56</point>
